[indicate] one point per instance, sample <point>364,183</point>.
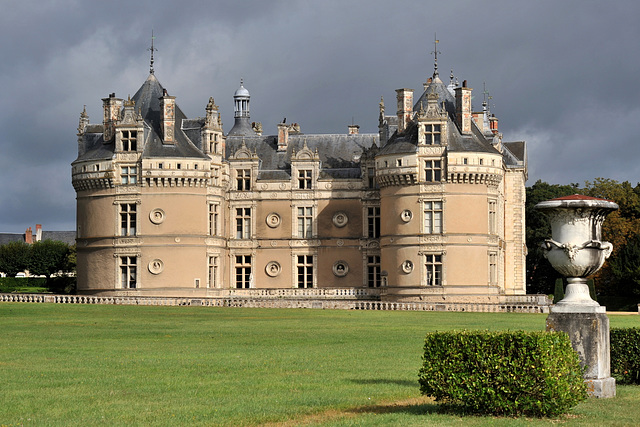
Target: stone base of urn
<point>588,329</point>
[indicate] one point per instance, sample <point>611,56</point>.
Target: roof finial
<point>152,49</point>
<point>435,53</point>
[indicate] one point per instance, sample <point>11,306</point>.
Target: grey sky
<point>562,76</point>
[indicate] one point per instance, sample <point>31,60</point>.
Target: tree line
<point>43,258</point>
<point>620,275</point>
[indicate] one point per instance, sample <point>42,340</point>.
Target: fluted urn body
<point>575,249</point>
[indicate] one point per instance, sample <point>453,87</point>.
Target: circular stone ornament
<point>273,220</point>
<point>340,268</point>
<point>157,216</point>
<point>407,266</point>
<point>156,266</point>
<point>340,219</point>
<point>273,269</point>
<point>406,215</point>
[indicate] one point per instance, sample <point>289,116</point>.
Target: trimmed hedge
<point>503,373</point>
<point>625,355</point>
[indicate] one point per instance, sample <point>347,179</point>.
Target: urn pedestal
<point>576,251</point>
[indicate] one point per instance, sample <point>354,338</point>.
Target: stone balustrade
<point>334,299</point>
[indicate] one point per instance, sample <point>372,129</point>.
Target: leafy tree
<point>49,257</point>
<point>625,267</point>
<point>14,258</point>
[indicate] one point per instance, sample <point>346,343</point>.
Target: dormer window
<point>243,179</point>
<point>432,135</point>
<point>304,179</point>
<point>129,140</point>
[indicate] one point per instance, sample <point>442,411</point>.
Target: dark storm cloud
<point>561,75</point>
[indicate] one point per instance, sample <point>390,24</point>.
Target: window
<point>128,219</point>
<point>433,217</point>
<point>243,179</point>
<point>213,271</point>
<point>129,175</point>
<point>493,268</point>
<point>304,179</point>
<point>434,270</point>
<point>493,216</point>
<point>129,140</point>
<point>160,165</point>
<point>243,223</point>
<point>433,170</point>
<point>398,162</point>
<point>243,271</point>
<point>214,219</point>
<point>373,222</point>
<point>465,161</point>
<point>432,135</point>
<point>305,222</point>
<point>305,271</point>
<point>179,166</point>
<point>374,279</point>
<point>371,175</point>
<point>481,161</point>
<point>128,276</point>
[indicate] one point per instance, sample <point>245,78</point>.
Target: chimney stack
<point>493,124</point>
<point>405,108</point>
<point>283,136</point>
<point>463,108</point>
<point>38,232</point>
<point>111,107</point>
<point>28,236</point>
<point>168,106</point>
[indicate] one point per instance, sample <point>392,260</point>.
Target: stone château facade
<point>431,208</point>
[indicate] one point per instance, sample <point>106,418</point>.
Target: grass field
<point>138,365</point>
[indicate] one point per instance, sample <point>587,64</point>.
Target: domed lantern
<point>575,249</point>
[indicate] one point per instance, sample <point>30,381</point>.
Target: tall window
<point>371,175</point>
<point>304,179</point>
<point>305,222</point>
<point>493,268</point>
<point>128,175</point>
<point>493,216</point>
<point>432,134</point>
<point>373,271</point>
<point>128,219</point>
<point>373,222</point>
<point>434,270</point>
<point>433,170</point>
<point>213,271</point>
<point>243,179</point>
<point>214,219</point>
<point>128,276</point>
<point>433,217</point>
<point>129,140</point>
<point>243,223</point>
<point>243,271</point>
<point>305,271</point>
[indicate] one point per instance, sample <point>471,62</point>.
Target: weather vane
<point>152,49</point>
<point>435,53</point>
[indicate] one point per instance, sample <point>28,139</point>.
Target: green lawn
<point>138,365</point>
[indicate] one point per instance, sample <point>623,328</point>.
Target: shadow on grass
<point>404,383</point>
<point>415,406</point>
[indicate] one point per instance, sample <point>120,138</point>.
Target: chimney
<point>405,108</point>
<point>354,129</point>
<point>38,232</point>
<point>111,107</point>
<point>168,106</point>
<point>283,136</point>
<point>463,108</point>
<point>82,127</point>
<point>28,236</point>
<point>493,124</point>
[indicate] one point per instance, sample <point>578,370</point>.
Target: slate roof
<point>339,153</point>
<point>68,237</point>
<point>147,101</point>
<point>11,237</point>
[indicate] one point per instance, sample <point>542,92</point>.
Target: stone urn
<point>575,249</point>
